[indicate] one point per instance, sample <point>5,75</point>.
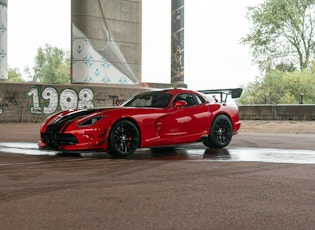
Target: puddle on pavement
<point>187,152</point>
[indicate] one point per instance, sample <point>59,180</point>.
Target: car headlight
<point>91,121</point>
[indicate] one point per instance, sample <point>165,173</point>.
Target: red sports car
<point>150,119</point>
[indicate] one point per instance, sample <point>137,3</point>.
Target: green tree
<point>265,90</point>
<point>52,65</point>
<point>15,75</point>
<point>301,83</point>
<point>282,34</point>
<point>278,87</point>
<point>251,93</point>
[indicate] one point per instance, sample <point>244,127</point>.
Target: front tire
<point>220,133</point>
<point>124,139</point>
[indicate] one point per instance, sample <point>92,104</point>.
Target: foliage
<point>52,65</point>
<point>15,75</point>
<point>278,87</point>
<point>282,34</point>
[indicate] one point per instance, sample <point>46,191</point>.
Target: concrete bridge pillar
<point>177,42</point>
<point>3,39</point>
<point>106,41</point>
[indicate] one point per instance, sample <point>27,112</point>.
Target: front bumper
<point>80,140</point>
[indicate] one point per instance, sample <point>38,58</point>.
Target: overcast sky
<point>214,58</point>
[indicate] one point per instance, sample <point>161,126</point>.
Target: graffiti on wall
<point>49,100</point>
<point>2,106</point>
<point>116,100</point>
<point>10,97</point>
<point>3,40</point>
<point>177,43</point>
<point>35,102</point>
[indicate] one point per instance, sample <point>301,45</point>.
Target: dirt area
<point>262,126</point>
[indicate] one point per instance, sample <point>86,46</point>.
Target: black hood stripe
<point>57,126</point>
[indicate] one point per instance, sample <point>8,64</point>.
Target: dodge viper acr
<point>153,118</point>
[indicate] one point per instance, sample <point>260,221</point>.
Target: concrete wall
<point>34,102</point>
<point>277,112</point>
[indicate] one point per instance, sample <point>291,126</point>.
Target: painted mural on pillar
<point>96,56</point>
<point>3,41</point>
<point>88,65</point>
<point>177,46</point>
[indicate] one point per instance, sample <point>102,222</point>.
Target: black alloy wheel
<point>124,138</point>
<point>220,133</point>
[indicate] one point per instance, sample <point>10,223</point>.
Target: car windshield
<point>154,99</point>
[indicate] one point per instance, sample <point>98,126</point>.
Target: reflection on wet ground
<point>194,152</point>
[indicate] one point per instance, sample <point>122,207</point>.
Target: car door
<point>184,124</point>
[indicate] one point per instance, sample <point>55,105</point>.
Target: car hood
<point>70,116</point>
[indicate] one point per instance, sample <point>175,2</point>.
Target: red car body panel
<point>71,130</point>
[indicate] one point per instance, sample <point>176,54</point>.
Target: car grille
<point>57,139</point>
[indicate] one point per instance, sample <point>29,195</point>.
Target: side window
<point>200,99</point>
<point>191,99</point>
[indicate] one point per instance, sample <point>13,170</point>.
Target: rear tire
<point>123,139</point>
<point>220,133</point>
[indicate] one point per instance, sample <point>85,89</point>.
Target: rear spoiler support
<point>235,93</point>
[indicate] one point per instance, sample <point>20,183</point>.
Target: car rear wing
<point>224,93</point>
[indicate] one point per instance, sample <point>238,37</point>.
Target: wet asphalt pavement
<point>192,152</point>
<point>261,181</point>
